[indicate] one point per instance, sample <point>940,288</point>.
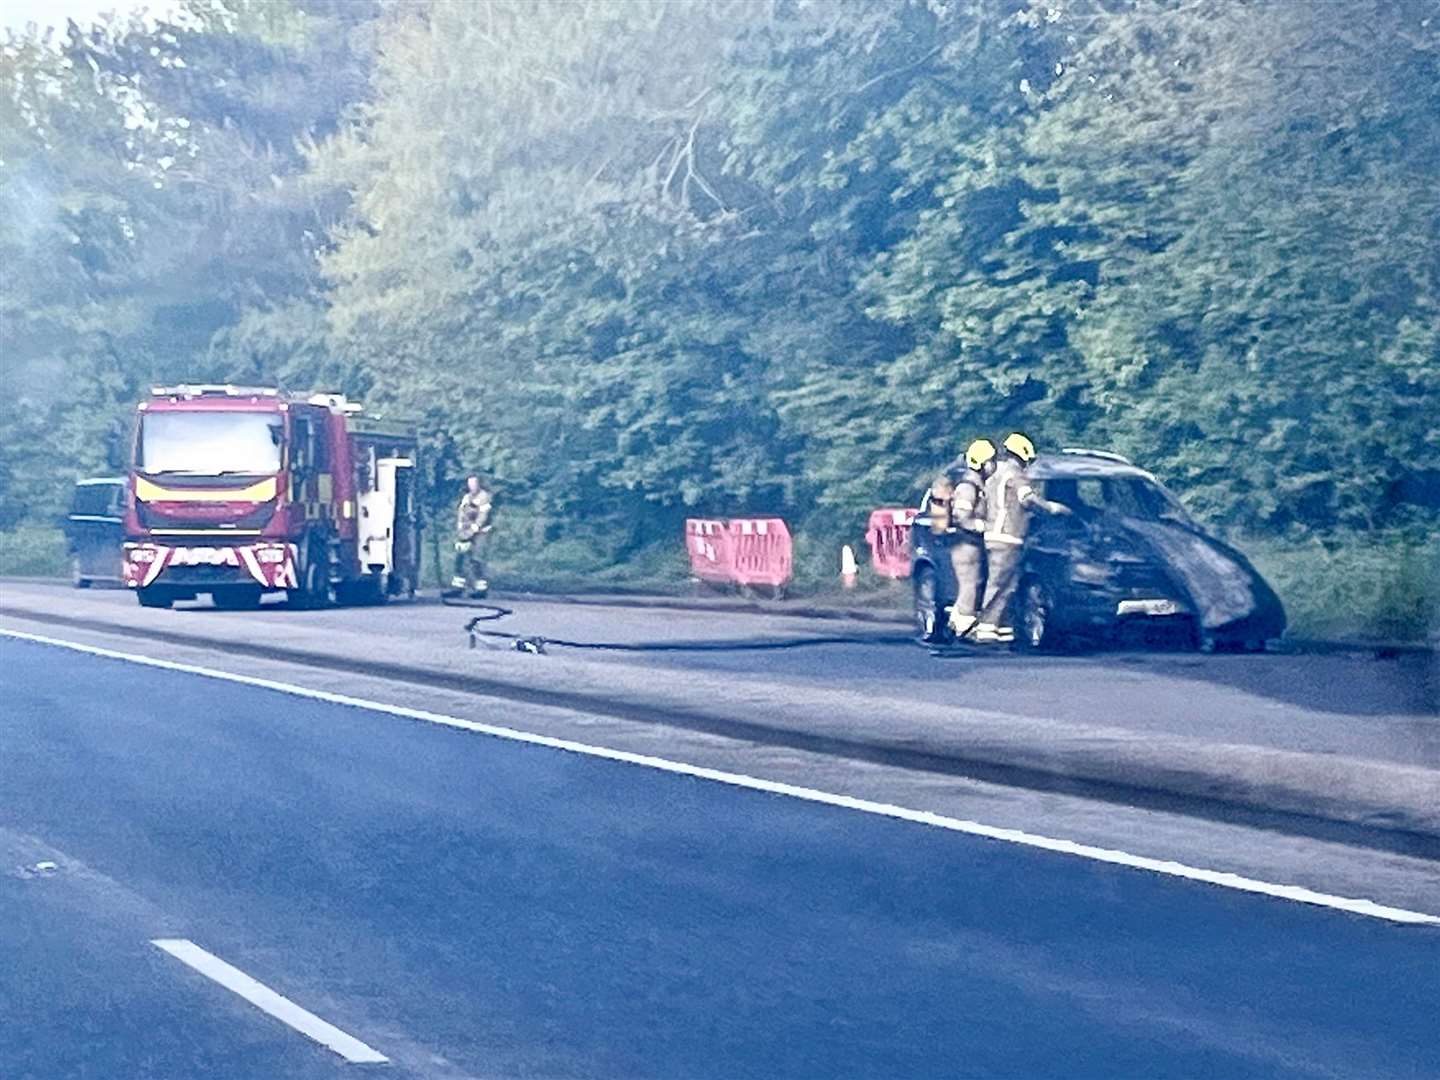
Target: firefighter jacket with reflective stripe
<point>1009,498</point>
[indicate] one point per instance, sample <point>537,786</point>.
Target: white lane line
<point>774,787</point>
<point>267,1000</point>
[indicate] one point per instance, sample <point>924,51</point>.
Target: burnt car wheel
<point>929,614</point>
<point>1035,622</point>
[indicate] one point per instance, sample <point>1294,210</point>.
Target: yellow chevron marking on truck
<point>147,491</point>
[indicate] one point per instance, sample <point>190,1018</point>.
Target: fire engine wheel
<point>367,591</point>
<point>154,597</point>
<point>316,591</point>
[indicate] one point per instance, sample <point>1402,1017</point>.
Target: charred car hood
<point>1225,591</point>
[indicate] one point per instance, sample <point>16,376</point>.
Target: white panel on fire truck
<point>376,527</point>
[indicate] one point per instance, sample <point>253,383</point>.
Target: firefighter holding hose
<point>472,529</point>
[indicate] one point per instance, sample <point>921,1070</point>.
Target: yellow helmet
<point>979,452</point>
<point>1020,446</point>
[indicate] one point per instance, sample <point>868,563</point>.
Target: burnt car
<point>94,530</point>
<point>1128,561</point>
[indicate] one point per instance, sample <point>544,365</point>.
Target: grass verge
<point>33,551</point>
<point>1367,587</point>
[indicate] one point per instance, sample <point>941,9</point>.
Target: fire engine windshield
<point>211,443</point>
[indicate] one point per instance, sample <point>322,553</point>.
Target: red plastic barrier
<point>889,540</point>
<point>763,552</point>
<point>708,542</point>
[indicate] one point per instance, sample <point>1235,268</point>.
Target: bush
<point>518,560</point>
<point>33,551</point>
<point>1369,586</point>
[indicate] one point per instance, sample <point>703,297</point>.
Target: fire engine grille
<point>204,575</point>
<point>256,519</point>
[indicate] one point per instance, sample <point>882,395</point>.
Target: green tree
<point>152,196</point>
<point>643,259</point>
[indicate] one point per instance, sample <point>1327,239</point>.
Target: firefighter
<point>967,540</point>
<point>472,527</point>
<point>1009,502</point>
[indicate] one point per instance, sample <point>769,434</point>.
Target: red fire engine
<point>237,491</point>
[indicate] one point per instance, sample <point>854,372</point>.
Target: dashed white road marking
<point>267,1000</point>
<point>922,817</point>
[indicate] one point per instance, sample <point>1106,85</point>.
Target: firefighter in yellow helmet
<point>1009,502</point>
<point>967,539</point>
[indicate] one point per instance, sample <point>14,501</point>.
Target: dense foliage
<point>638,259</point>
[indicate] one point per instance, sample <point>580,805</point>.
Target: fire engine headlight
<point>270,555</point>
<point>141,554</point>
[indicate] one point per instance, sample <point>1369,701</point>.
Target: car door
<point>1058,543</point>
<point>1060,537</point>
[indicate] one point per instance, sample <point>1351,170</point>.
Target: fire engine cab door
<point>378,517</point>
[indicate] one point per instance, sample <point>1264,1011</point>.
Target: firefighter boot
<point>960,625</point>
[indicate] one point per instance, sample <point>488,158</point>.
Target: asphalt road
<point>469,906</point>
<point>1385,708</point>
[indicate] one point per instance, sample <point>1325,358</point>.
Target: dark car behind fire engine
<point>95,529</point>
<point>1129,559</point>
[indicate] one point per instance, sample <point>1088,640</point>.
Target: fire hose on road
<point>539,644</point>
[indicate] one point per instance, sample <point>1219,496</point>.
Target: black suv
<point>1128,558</point>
